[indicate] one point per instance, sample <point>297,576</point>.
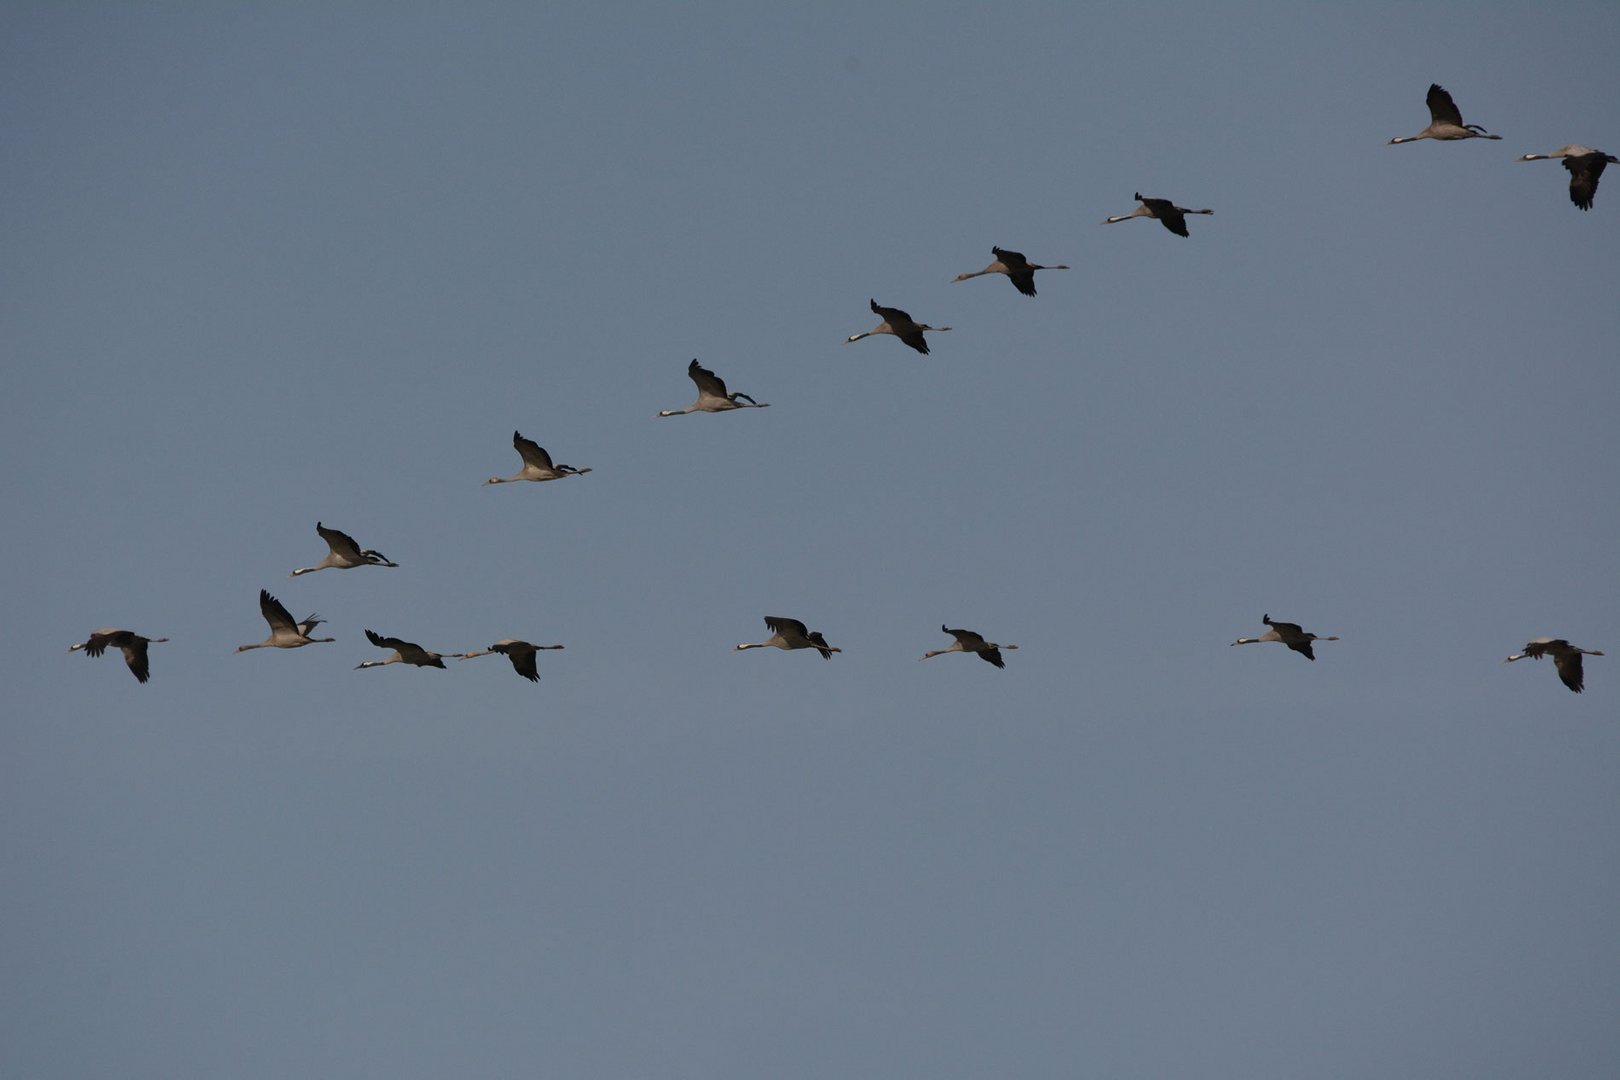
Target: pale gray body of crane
<point>1019,270</point>
<point>521,653</point>
<point>131,644</point>
<point>344,553</point>
<point>405,652</point>
<point>536,464</point>
<point>285,632</point>
<point>899,324</point>
<point>1289,634</point>
<point>968,641</point>
<point>1164,211</point>
<point>712,394</point>
<point>1585,167</point>
<point>791,634</point>
<point>1445,121</point>
<point>1566,658</point>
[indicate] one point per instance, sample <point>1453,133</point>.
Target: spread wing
<point>914,338</point>
<point>1023,280</point>
<point>341,543</point>
<point>788,628</point>
<point>1569,670</point>
<point>1542,646</point>
<point>522,655</point>
<point>1286,629</point>
<point>100,639</point>
<point>1442,110</point>
<point>1583,177</point>
<point>892,315</point>
<point>708,383</point>
<point>276,615</point>
<point>531,452</point>
<point>1012,260</point>
<point>389,642</point>
<point>134,649</point>
<point>1173,219</point>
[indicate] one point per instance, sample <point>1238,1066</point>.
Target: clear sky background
<point>263,266</point>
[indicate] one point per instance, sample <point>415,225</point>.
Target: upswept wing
<point>1442,110</point>
<point>277,615</point>
<point>531,452</point>
<point>340,542</point>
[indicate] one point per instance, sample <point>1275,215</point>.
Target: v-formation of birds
<point>1584,164</point>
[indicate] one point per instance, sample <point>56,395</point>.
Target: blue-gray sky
<point>264,266</point>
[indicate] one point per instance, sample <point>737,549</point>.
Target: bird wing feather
<point>1012,260</point>
<point>708,383</point>
<point>390,642</point>
<point>1570,671</point>
<point>1584,171</point>
<point>912,335</point>
<point>134,650</point>
<point>340,542</point>
<point>277,615</point>
<point>1442,110</point>
<point>1172,219</point>
<point>531,452</point>
<point>787,627</point>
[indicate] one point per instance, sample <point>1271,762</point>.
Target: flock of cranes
<point>786,633</point>
<point>1584,164</point>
